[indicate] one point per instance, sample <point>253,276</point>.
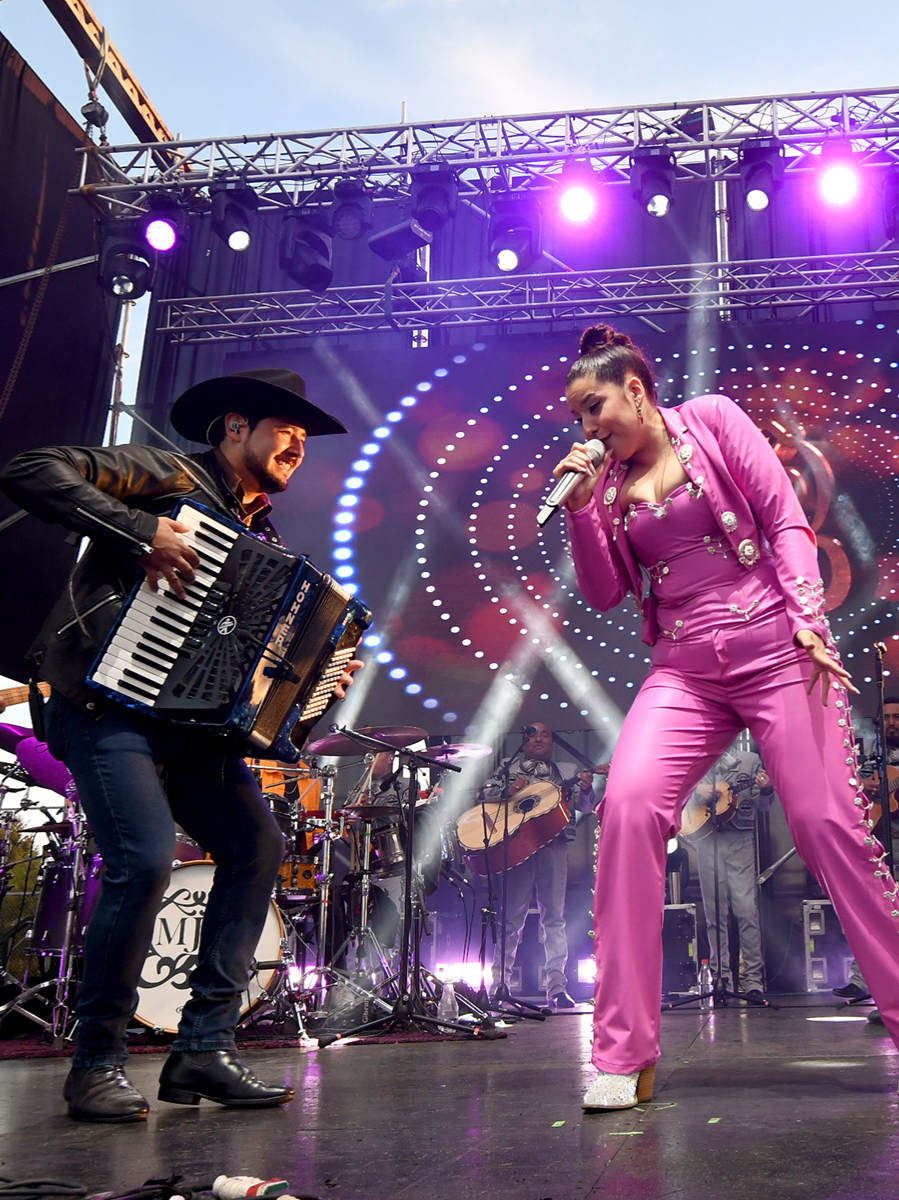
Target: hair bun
<point>597,337</point>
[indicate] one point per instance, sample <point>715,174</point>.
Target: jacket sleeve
<point>601,581</point>
<point>759,474</point>
<point>87,489</point>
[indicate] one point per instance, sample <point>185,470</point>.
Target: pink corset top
<point>696,578</point>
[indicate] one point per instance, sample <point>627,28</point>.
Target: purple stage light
<point>839,183</point>
<point>161,234</point>
<point>578,203</point>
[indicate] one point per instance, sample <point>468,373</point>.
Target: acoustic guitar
<point>696,823</point>
<point>534,816</point>
<point>893,786</point>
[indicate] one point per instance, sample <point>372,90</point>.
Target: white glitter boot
<point>608,1091</point>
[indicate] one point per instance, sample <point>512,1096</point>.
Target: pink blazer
<point>750,493</point>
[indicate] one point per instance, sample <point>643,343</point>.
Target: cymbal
<point>459,751</point>
<point>394,737</point>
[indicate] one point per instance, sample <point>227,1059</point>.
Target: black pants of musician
<point>136,777</point>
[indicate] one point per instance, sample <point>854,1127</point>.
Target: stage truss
<point>642,292</point>
<point>487,154</point>
<point>703,137</point>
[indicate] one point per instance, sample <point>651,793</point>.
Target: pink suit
<point>725,573</point>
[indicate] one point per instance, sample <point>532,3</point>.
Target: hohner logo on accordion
<point>255,648</point>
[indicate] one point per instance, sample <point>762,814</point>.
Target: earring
<point>640,412</point>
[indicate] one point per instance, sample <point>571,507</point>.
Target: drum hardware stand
<point>289,995</point>
<point>26,993</point>
<point>323,971</point>
<point>408,1010</point>
<point>362,935</point>
<point>59,1025</point>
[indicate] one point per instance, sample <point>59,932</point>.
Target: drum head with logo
<point>163,988</point>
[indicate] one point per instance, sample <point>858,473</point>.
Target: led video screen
<point>429,507</point>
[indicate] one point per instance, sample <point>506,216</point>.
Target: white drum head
<point>163,988</point>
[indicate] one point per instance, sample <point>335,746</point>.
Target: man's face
<point>273,451</point>
<point>891,723</point>
<point>540,744</point>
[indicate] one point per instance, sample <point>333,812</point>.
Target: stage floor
<point>748,1104</point>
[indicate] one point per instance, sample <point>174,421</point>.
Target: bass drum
<point>163,989</point>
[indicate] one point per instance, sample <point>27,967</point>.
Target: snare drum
<point>297,875</point>
<point>163,988</point>
<point>387,857</point>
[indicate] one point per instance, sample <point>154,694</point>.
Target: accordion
<point>254,649</point>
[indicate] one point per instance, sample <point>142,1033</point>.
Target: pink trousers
<point>695,700</point>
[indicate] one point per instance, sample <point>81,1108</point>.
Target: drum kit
<point>324,957</point>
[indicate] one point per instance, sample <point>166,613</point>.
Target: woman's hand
<point>579,460</point>
<point>824,665</point>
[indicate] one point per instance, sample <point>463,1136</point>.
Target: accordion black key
<point>254,649</point>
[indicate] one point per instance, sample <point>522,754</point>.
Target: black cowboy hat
<point>267,392</point>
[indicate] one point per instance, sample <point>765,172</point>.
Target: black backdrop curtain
<point>62,390</point>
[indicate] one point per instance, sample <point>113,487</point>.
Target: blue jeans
<point>137,776</point>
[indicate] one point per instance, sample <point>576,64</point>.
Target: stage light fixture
<point>434,193</point>
<point>399,240</point>
<point>761,171</point>
<point>164,224</point>
<point>513,233</point>
<point>652,180</point>
<point>578,192</point>
<point>839,180</point>
<point>231,209</point>
<point>350,210</point>
<point>891,203</point>
<point>305,250</point>
<point>126,265</point>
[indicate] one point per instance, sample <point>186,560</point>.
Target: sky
<point>226,67</point>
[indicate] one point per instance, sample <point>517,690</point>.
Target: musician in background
<point>545,872</point>
<point>869,772</point>
<point>751,792</point>
<point>136,775</point>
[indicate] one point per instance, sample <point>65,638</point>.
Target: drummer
<point>545,872</point>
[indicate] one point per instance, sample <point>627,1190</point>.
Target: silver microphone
<point>568,482</point>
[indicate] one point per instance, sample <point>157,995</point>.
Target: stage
<point>748,1103</point>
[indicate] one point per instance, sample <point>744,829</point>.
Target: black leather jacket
<point>113,496</point>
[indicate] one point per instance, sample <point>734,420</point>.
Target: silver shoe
<point>608,1091</point>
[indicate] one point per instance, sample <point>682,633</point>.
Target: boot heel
<point>645,1083</point>
<point>174,1095</point>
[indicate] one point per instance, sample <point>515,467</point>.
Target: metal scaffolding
<point>510,300</point>
<point>703,138</point>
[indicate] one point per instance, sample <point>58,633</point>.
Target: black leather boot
<point>103,1094</point>
<point>193,1075</point>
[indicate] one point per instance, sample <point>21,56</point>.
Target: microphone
<point>567,483</point>
<point>529,730</point>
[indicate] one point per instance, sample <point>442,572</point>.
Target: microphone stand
<point>408,1012</point>
<point>501,994</point>
<point>720,994</point>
